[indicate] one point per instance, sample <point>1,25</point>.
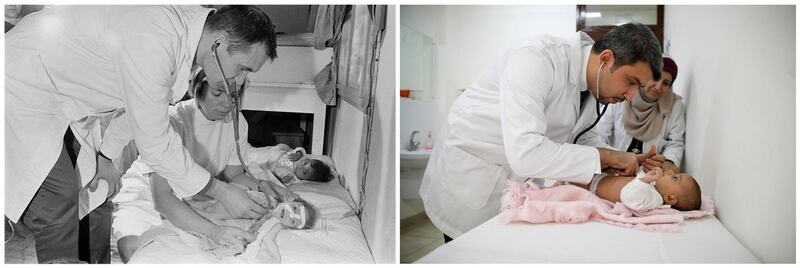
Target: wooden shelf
<point>295,40</point>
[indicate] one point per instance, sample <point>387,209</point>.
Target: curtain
<point>327,33</point>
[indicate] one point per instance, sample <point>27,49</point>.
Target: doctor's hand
<point>231,237</point>
<point>106,171</point>
<point>656,161</point>
<point>641,157</point>
<point>650,160</point>
<point>621,163</point>
<point>236,200</point>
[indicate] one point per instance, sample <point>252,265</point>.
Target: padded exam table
<point>702,240</point>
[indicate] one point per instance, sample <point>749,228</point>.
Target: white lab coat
<point>80,66</point>
<point>670,142</point>
<point>517,120</point>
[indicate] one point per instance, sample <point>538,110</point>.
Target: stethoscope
<point>597,105</point>
<point>234,101</point>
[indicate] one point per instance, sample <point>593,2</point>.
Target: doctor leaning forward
<point>520,119</point>
<point>70,70</point>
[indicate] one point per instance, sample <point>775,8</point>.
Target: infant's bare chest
<point>609,188</point>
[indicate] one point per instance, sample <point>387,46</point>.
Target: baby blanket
<point>526,202</point>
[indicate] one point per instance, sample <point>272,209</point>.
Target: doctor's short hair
<point>632,42</point>
<point>244,26</point>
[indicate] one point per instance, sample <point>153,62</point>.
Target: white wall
<point>737,73</point>
<point>416,71</point>
<point>468,39</point>
<point>294,65</point>
<point>346,145</point>
<point>378,219</point>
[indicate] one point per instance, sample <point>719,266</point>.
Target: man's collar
<point>585,52</point>
<point>197,19</point>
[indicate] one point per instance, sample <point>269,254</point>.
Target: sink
<point>418,154</point>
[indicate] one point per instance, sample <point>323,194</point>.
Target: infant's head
<point>680,190</point>
<point>297,214</point>
<point>312,170</point>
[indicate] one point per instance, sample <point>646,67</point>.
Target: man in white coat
<point>520,118</point>
<point>71,69</point>
<point>655,117</point>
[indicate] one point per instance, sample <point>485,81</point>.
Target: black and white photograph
<point>200,134</point>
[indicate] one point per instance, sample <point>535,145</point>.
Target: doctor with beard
<point>528,117</point>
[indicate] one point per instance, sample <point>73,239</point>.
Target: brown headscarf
<point>644,118</point>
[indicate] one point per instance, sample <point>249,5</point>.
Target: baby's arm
<point>282,147</point>
<point>640,195</point>
<point>301,150</point>
<point>284,174</point>
<point>296,154</point>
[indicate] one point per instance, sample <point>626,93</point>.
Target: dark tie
<point>584,95</point>
<point>636,146</point>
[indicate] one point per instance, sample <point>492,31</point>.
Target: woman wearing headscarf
<point>655,116</point>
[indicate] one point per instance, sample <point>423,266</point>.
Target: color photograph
<point>597,134</point>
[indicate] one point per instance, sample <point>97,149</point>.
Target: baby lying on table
<point>648,191</point>
<point>291,165</point>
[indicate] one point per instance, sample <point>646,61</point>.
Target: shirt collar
<point>197,19</point>
<point>586,50</point>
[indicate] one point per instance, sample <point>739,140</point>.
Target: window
<point>357,54</point>
<point>597,20</point>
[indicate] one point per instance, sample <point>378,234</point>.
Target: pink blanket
<point>526,202</point>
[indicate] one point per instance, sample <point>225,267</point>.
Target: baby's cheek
<point>300,175</point>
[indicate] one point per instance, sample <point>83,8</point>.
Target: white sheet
<point>703,240</point>
<point>172,245</point>
<point>337,236</point>
<point>334,239</point>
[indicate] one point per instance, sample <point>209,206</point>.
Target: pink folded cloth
<point>526,202</point>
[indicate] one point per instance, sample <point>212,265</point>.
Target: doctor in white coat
<point>71,69</point>
<point>660,122</point>
<point>520,118</point>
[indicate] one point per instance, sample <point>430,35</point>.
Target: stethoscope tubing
<point>234,115</point>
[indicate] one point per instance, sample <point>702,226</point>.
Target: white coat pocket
<point>470,179</point>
